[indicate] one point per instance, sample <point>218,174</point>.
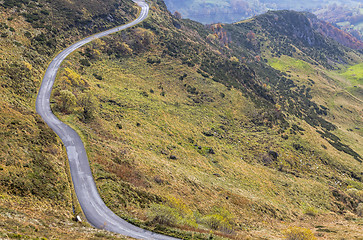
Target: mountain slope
<point>193,128</point>
<point>301,46</point>
<point>35,187</point>
<point>224,134</point>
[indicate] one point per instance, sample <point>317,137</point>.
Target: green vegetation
<point>35,189</point>
<point>297,233</point>
<point>354,74</point>
<point>232,137</point>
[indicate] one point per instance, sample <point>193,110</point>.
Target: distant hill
<point>348,17</point>
<point>228,11</point>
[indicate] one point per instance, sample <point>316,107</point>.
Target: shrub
<point>360,210</point>
<point>123,49</point>
<point>298,233</point>
<point>218,222</point>
<point>87,101</point>
<point>153,60</point>
<point>85,62</point>
<point>311,211</point>
<point>173,212</point>
<point>356,194</point>
<point>220,219</point>
<point>72,78</point>
<point>234,59</point>
<point>67,101</point>
<point>161,214</point>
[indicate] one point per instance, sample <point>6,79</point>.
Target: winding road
<point>95,210</point>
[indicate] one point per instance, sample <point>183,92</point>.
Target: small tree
<point>177,15</point>
<point>143,38</point>
<point>88,104</point>
<point>67,101</point>
<point>123,48</point>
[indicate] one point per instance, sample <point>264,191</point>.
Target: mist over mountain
<point>228,11</point>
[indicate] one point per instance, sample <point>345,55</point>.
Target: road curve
<point>95,210</point>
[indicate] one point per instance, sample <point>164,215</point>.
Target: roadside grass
<point>35,192</point>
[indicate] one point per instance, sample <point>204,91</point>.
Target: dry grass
<point>145,115</point>
<point>154,127</point>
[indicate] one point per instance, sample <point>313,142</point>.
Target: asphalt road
<point>95,210</point>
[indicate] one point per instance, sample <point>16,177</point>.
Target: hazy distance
<point>228,11</point>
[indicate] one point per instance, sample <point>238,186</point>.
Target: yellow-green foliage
<point>161,214</point>
<point>67,101</point>
<point>298,233</point>
<point>234,59</point>
<point>355,193</point>
<point>147,113</point>
<point>310,210</point>
<point>151,127</point>
<point>286,63</point>
<point>35,192</point>
<point>71,78</point>
<point>144,37</point>
<point>125,48</point>
<point>220,219</point>
<point>355,74</point>
<point>173,212</point>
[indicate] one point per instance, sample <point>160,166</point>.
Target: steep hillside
<point>189,128</point>
<point>225,131</point>
<point>35,191</point>
<point>304,55</point>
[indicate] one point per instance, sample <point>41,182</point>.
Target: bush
<point>311,211</point>
<point>153,60</point>
<point>220,219</point>
<point>173,212</point>
<point>67,101</point>
<point>298,233</point>
<point>360,210</point>
<point>356,194</point>
<point>162,214</point>
<point>85,62</point>
<point>88,104</point>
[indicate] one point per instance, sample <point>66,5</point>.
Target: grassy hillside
<point>35,189</point>
<point>190,129</point>
<point>309,62</point>
<point>223,132</point>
